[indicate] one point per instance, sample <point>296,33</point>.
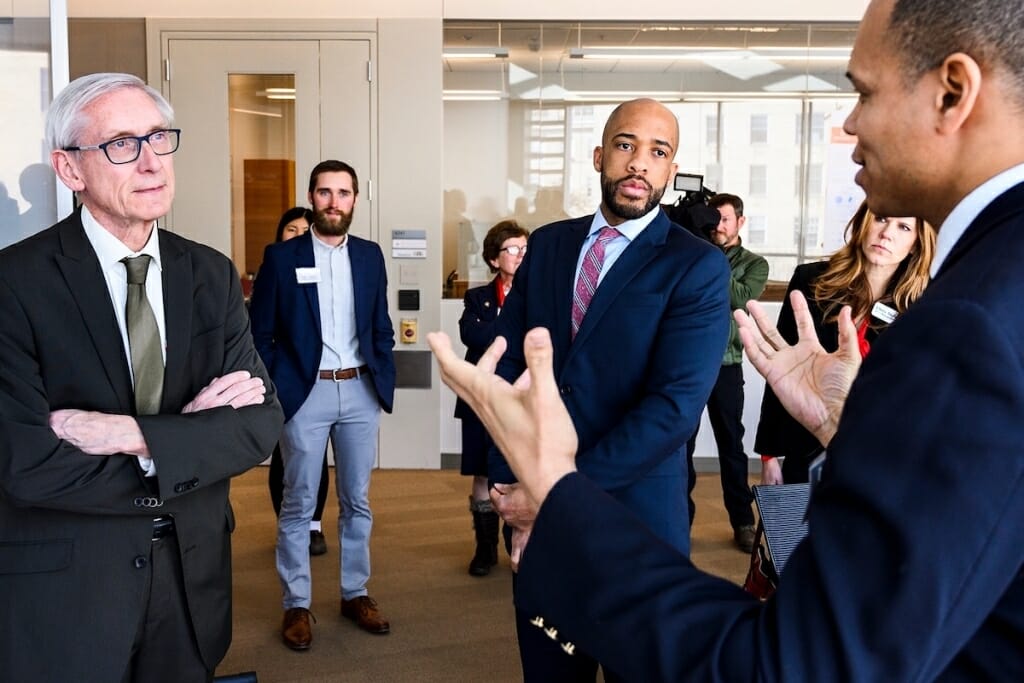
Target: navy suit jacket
<point>640,370</point>
<point>286,319</point>
<point>477,329</point>
<point>912,567</point>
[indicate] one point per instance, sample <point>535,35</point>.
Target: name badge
<point>305,276</point>
<point>884,313</point>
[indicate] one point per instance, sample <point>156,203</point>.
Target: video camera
<point>691,210</point>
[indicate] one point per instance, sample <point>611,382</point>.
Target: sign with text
<point>408,244</point>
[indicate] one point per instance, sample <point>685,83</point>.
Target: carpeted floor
<point>445,625</point>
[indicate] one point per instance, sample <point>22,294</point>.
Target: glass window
<point>711,129</point>
<point>757,230</point>
<point>758,129</point>
<point>758,180</point>
<point>261,123</point>
<point>28,200</point>
<point>744,95</point>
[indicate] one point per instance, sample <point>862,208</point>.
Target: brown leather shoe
<point>364,611</point>
<point>295,629</point>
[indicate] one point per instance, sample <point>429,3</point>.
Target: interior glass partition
<point>27,183</point>
<point>760,109</point>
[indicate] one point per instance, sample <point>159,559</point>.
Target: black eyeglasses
<point>514,249</point>
<point>127,149</point>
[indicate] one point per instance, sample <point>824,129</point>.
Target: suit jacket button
<point>140,562</point>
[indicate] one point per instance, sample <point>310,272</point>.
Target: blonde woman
<point>882,269</point>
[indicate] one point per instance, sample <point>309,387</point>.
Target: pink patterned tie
<point>586,285</point>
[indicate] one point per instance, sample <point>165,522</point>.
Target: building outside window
<point>521,127</point>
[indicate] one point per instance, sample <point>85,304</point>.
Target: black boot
<point>485,524</point>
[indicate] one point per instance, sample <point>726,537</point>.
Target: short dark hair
<point>722,198</point>
<point>496,237</point>
<point>991,32</point>
<point>290,215</point>
<point>333,166</point>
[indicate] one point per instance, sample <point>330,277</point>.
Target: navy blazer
<point>477,329</point>
<point>912,567</point>
<point>286,319</point>
<point>640,370</point>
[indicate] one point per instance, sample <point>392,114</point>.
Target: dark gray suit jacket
<point>74,527</point>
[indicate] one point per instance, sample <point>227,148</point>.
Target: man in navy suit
<point>320,322</point>
<point>639,312</point>
<point>912,567</point>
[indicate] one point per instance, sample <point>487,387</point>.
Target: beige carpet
<point>445,625</point>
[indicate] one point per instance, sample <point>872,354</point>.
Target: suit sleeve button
<point>140,562</point>
<point>566,390</point>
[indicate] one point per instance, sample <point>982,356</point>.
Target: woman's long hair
<point>845,281</point>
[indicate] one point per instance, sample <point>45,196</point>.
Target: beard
<point>629,209</point>
<point>333,225</point>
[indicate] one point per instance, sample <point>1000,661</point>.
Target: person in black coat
<point>882,269</point>
<point>504,248</point>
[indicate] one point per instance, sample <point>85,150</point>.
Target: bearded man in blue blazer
<point>320,322</point>
<point>638,309</point>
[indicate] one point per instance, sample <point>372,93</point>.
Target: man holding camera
<point>748,275</point>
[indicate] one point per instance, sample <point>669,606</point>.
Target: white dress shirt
<point>337,306</point>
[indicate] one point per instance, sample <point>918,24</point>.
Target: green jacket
<point>749,274</point>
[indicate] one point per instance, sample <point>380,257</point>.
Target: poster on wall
<point>842,194</point>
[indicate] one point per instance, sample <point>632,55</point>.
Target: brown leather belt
<point>347,373</point>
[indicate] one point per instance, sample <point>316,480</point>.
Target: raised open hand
<point>527,420</point>
<point>810,383</point>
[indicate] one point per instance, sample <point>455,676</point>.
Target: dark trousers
<point>544,660</point>
<point>725,411</point>
<point>165,646</point>
<point>275,480</point>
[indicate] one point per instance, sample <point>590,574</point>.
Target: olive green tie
<point>143,338</point>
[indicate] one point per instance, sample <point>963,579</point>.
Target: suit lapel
<point>568,252</point>
<point>636,256</point>
<point>178,292</point>
<point>361,280</point>
<point>304,258</point>
<point>1007,205</point>
<point>81,271</point>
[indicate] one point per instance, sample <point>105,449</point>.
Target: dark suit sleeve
<point>383,334</point>
<point>914,536</point>
<point>262,307</point>
<point>38,469</point>
<point>511,325</point>
<point>476,332</point>
<point>196,449</point>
